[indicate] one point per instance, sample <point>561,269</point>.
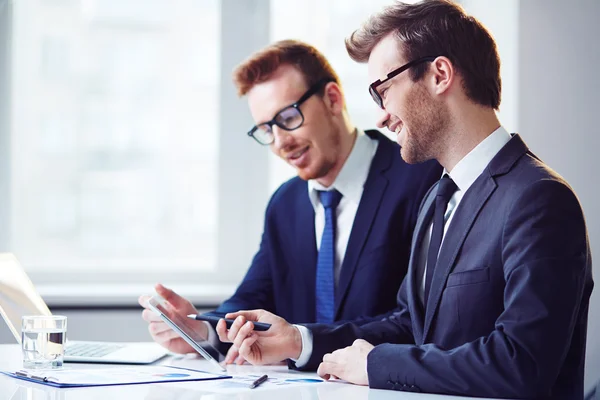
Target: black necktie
<point>445,190</point>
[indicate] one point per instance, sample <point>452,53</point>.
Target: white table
<point>15,389</point>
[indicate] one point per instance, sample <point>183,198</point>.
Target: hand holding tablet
<point>180,325</point>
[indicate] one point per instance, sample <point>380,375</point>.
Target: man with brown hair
<point>495,301</point>
<point>336,238</point>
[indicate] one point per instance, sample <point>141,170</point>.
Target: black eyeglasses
<point>373,87</point>
<point>288,118</point>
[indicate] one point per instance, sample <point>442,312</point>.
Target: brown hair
<point>436,28</point>
<point>261,65</point>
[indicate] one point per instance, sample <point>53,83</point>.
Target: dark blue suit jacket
<point>282,276</point>
<point>507,312</point>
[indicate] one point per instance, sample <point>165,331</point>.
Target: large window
<point>123,153</point>
<point>112,166</point>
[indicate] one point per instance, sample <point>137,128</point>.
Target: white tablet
<point>182,326</point>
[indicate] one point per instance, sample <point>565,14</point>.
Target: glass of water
<point>43,341</point>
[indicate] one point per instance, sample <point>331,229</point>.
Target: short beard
<point>428,120</point>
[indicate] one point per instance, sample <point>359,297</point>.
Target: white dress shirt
<point>463,174</point>
<point>350,183</point>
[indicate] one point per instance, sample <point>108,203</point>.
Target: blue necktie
<point>445,190</point>
<point>325,288</point>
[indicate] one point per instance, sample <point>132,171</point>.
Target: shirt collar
<point>472,165</point>
<point>354,172</point>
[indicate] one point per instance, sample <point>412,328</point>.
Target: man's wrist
<point>208,333</point>
<point>296,347</point>
<point>306,346</point>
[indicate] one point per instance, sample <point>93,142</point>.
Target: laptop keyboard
<point>91,349</point>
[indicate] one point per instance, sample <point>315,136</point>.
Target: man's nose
<point>383,118</point>
<point>282,138</point>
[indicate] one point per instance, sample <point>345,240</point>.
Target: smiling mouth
<point>296,155</point>
<point>395,126</point>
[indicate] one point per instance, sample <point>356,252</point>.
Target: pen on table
<point>257,382</point>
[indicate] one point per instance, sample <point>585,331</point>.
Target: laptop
<point>18,297</point>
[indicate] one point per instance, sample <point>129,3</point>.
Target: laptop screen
<point>18,296</point>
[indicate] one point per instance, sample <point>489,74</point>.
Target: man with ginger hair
<point>336,238</point>
<point>495,302</point>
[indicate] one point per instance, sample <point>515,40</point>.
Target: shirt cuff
<point>307,346</point>
<point>213,338</point>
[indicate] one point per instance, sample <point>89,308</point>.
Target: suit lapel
<point>423,221</point>
<point>461,223</point>
<point>465,215</point>
<point>373,192</point>
<point>306,257</point>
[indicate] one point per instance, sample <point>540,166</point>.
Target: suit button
<point>415,389</point>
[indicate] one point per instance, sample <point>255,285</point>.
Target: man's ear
<point>443,75</point>
<point>334,98</point>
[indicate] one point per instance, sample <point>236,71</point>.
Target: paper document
<point>112,376</point>
<point>241,383</point>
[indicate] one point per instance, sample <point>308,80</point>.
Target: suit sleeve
<point>395,328</point>
<point>546,265</point>
<point>256,289</point>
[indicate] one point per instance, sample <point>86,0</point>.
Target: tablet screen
<point>185,328</point>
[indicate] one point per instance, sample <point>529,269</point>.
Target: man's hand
<point>160,332</point>
<point>233,356</point>
<point>281,341</point>
<point>349,364</point>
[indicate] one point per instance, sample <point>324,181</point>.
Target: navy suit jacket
<point>282,276</point>
<point>507,311</point>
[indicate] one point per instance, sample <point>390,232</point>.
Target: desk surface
<point>14,389</point>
